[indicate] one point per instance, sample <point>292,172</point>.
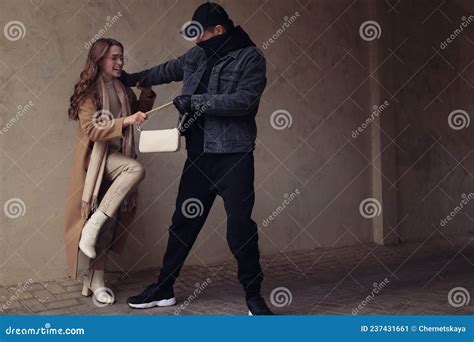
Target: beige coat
<point>87,133</point>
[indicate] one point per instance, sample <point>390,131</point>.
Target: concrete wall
<point>319,70</point>
<point>431,79</point>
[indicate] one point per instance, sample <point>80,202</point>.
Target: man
<point>223,79</point>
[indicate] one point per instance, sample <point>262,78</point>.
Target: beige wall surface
<point>325,75</point>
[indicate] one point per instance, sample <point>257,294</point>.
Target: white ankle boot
<point>94,284</point>
<point>90,232</point>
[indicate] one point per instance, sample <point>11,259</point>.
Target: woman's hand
<point>135,119</point>
<point>145,90</point>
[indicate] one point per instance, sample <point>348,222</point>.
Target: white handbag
<point>162,140</point>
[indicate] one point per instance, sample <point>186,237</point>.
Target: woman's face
<point>112,63</point>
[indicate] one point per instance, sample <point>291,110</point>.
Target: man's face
<point>211,33</point>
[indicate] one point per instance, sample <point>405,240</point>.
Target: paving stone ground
<point>409,279</point>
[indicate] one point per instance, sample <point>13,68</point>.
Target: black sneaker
<point>152,296</point>
<point>258,307</point>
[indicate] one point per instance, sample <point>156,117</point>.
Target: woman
<point>105,174</point>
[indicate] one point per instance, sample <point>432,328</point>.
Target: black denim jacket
<point>231,103</point>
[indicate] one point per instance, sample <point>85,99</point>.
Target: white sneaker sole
<point>163,302</point>
<point>250,313</point>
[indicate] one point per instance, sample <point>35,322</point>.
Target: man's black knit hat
<point>211,14</point>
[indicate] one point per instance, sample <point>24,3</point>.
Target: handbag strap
<point>139,127</point>
<point>180,123</point>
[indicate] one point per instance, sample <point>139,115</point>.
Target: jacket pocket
<point>228,80</point>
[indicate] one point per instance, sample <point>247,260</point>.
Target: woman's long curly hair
<point>86,86</point>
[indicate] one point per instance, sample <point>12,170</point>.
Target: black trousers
<point>230,176</point>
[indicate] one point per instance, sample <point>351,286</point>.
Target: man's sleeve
<point>164,73</point>
<point>247,94</point>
